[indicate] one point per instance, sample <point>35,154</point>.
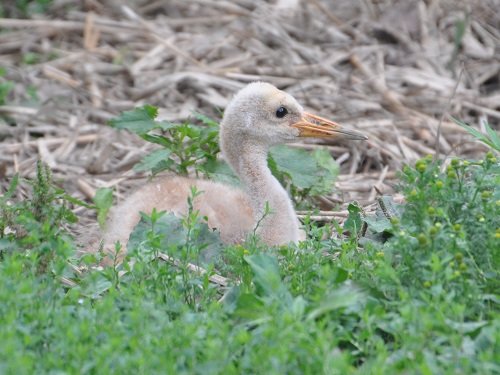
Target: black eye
<point>281,112</point>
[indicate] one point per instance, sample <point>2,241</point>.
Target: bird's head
<point>270,116</point>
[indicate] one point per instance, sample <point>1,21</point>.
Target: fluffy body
<point>226,208</point>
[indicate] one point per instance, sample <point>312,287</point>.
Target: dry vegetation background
<point>395,70</point>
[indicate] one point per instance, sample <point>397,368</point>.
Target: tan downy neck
<point>249,161</point>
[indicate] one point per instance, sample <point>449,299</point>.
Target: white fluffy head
<point>262,113</point>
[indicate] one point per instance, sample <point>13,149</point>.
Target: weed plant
<point>422,298</point>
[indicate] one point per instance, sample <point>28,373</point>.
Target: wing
<point>226,208</point>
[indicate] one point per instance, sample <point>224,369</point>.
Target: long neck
<point>249,161</point>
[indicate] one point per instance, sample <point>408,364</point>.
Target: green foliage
<point>184,145</point>
<point>103,201</point>
<point>491,138</point>
<point>305,174</point>
<point>174,236</point>
<point>422,299</point>
<point>353,223</point>
<point>5,87</point>
<point>37,224</point>
<point>449,224</point>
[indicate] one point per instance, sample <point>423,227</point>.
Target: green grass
<point>417,294</point>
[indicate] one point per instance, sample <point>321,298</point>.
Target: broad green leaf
<point>329,170</point>
<point>140,120</point>
<point>250,307</point>
<point>342,297</point>
<point>175,236</point>
<point>151,161</point>
<point>94,285</point>
<point>298,164</point>
<point>313,171</point>
<point>466,327</point>
<point>103,200</point>
<point>157,139</point>
<point>266,271</point>
<point>220,171</point>
<point>378,224</point>
<point>353,222</point>
<point>341,275</point>
<point>6,245</point>
<point>267,277</point>
<point>386,209</point>
<point>206,120</point>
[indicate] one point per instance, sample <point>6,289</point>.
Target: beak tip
<point>354,136</point>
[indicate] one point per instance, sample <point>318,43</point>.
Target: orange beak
<point>318,127</point>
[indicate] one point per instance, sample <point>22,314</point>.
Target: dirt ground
<point>396,70</point>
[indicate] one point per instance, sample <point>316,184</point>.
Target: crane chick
<point>258,117</point>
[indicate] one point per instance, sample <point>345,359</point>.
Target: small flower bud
<point>485,194</point>
<point>422,239</point>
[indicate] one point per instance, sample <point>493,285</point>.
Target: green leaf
<point>329,170</point>
<point>152,160</point>
<point>206,120</point>
<point>267,277</point>
<point>353,221</point>
<point>386,209</point>
<point>250,307</point>
<point>12,188</point>
<point>157,139</point>
<point>492,141</point>
<point>103,200</point>
<point>342,297</point>
<point>314,171</point>
<point>140,120</point>
<point>298,164</point>
<point>266,271</point>
<point>174,234</point>
<point>494,137</point>
<point>94,285</point>
<point>466,327</point>
<point>378,224</point>
<point>219,170</point>
<point>75,201</point>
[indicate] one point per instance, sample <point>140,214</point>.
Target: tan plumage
<point>258,117</point>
